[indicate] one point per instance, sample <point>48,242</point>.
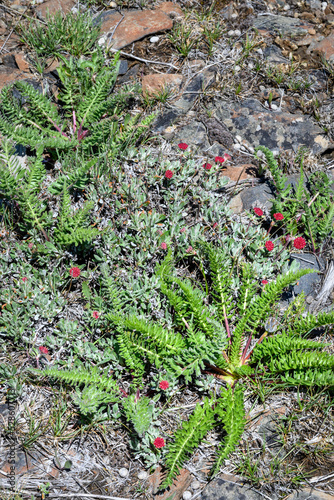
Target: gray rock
<point>130,74</point>
<point>308,494</point>
<point>273,54</point>
<point>225,490</point>
<point>314,4</point>
<point>308,282</point>
<point>194,133</point>
<point>192,90</point>
<point>281,24</point>
<point>123,67</point>
<point>165,119</point>
<point>258,195</point>
<point>276,130</point>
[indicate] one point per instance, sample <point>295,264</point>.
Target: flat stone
<point>154,83</point>
<point>192,90</point>
<point>171,9</point>
<point>279,130</point>
<point>308,282</point>
<point>194,134</point>
<point>175,491</point>
<point>254,196</point>
<point>220,489</point>
<point>309,494</point>
<point>236,204</point>
<point>273,54</point>
<point>325,48</point>
<point>52,6</point>
<point>281,24</point>
<point>21,62</point>
<point>314,4</point>
<point>123,67</point>
<point>134,26</point>
<point>241,172</point>
<point>264,425</point>
<point>165,120</point>
<point>10,75</point>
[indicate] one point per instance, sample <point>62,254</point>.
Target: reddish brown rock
<point>10,75</point>
<point>325,48</point>
<point>241,172</point>
<point>171,9</point>
<point>154,83</point>
<point>21,62</point>
<point>134,26</point>
<point>175,491</point>
<point>52,6</point>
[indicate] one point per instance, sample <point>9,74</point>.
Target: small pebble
<point>154,39</point>
<point>187,495</point>
<point>237,68</point>
<point>237,32</point>
<point>286,7</point>
<point>235,15</point>
<point>142,475</point>
<point>101,41</point>
<point>237,146</point>
<point>274,106</point>
<point>113,5</point>
<point>230,33</point>
<point>324,5</point>
<point>123,472</point>
<point>238,138</point>
<point>195,485</point>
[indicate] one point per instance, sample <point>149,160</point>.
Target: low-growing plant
<point>24,186</point>
<point>83,116</point>
<point>218,329</point>
<point>74,34</point>
<point>305,211</point>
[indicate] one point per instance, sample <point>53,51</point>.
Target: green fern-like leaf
<point>232,414</point>
<point>187,438</point>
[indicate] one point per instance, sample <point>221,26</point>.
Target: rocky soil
<point>267,80</point>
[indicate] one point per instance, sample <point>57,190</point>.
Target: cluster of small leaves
<point>308,211</point>
<point>83,116</point>
<point>208,344</point>
<point>24,185</point>
<point>74,34</point>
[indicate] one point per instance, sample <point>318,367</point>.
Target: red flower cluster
<point>299,243</point>
<point>278,216</point>
<point>159,442</point>
<point>219,159</point>
<point>168,174</point>
<point>189,249</point>
<point>269,245</point>
<point>164,385</point>
<point>75,272</point>
<point>24,279</point>
<point>96,315</point>
<point>182,230</point>
<point>215,225</point>
<point>222,159</point>
<point>43,349</point>
<point>163,245</point>
<point>30,245</point>
<point>183,146</point>
<point>207,166</point>
<point>258,211</point>
<point>264,282</point>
